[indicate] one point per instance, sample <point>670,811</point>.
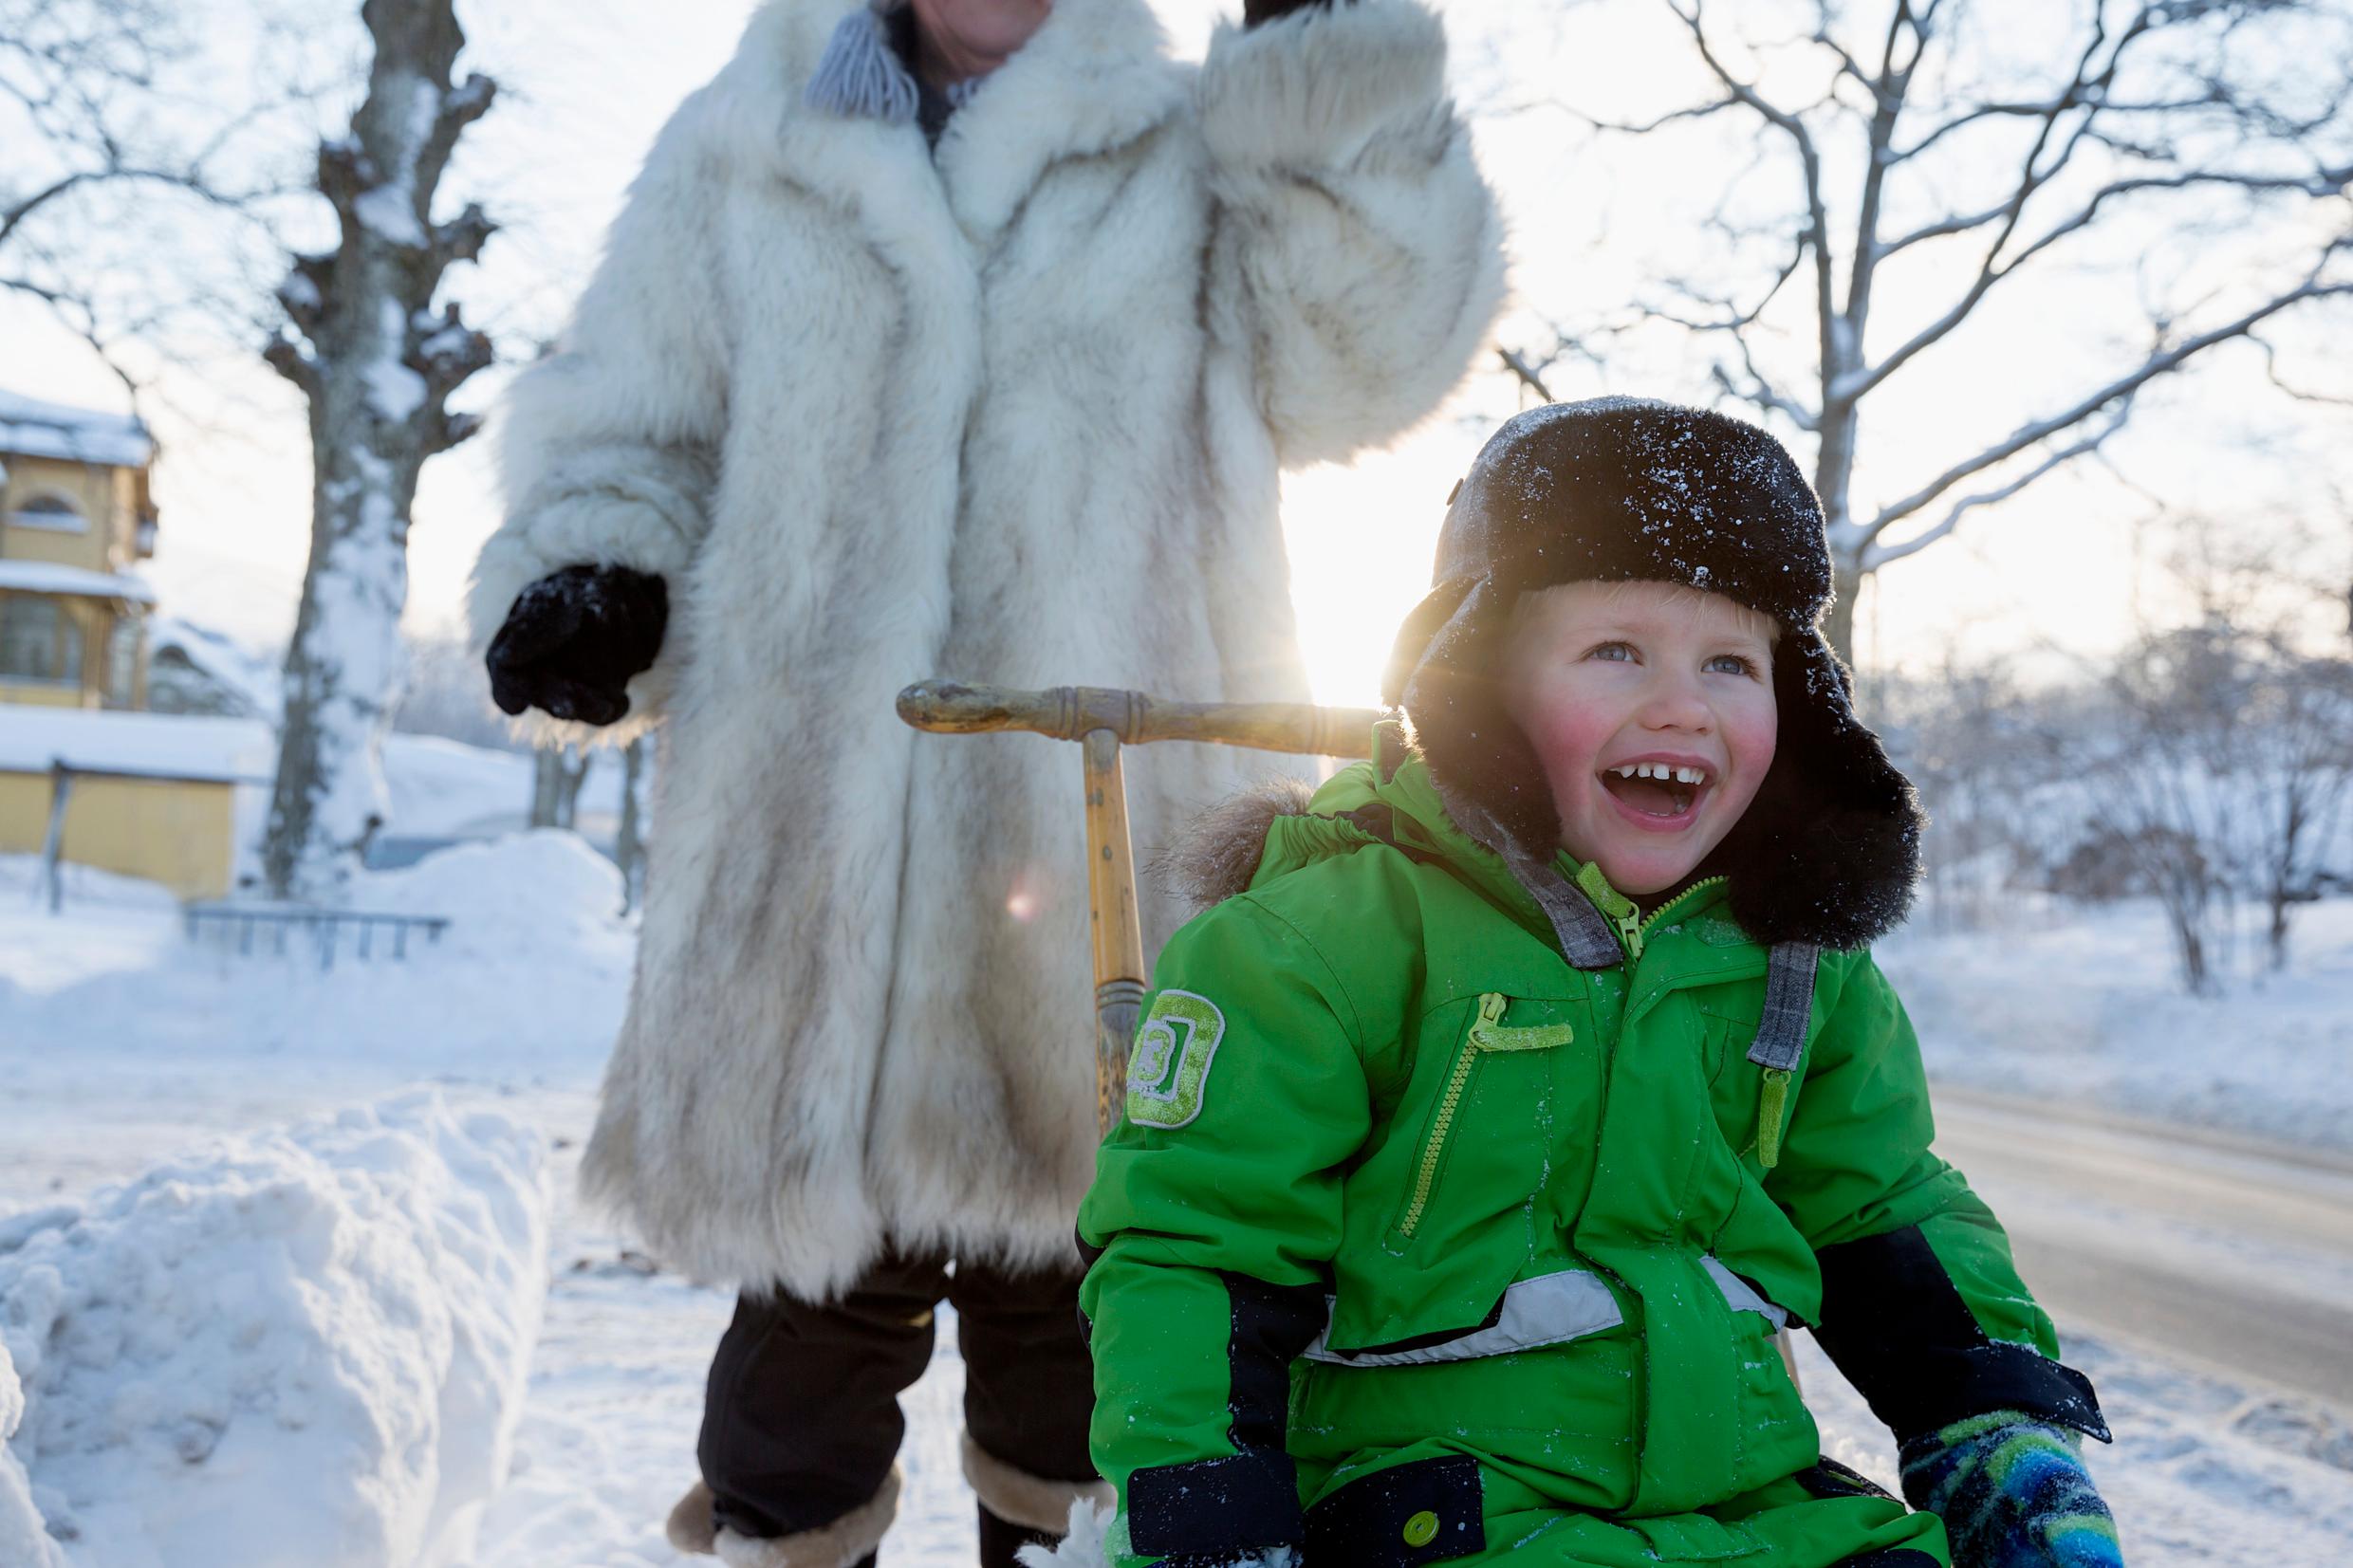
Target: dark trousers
<point>802,1420</point>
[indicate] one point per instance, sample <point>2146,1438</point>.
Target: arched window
<point>50,510</point>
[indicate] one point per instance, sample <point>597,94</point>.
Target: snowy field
<point>2080,1007</point>
<point>242,1256</point>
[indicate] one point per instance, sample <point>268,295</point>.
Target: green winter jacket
<point>1395,1184</point>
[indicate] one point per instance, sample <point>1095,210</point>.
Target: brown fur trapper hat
<point>1628,490</point>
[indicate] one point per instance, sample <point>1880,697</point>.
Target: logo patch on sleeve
<point>1169,1067</point>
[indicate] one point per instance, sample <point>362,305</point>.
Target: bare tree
<point>1907,178</point>
<point>130,171</point>
<point>378,367</point>
<point>2221,765</point>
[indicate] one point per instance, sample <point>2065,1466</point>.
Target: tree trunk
<point>377,369</point>
<point>1834,471</point>
<point>557,775</point>
<point>1838,627</point>
<point>629,846</point>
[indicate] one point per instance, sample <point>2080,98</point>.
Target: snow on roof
<point>155,745</point>
<point>250,678</point>
<point>30,428</point>
<point>49,576</point>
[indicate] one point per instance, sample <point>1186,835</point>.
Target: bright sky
<point>587,83</point>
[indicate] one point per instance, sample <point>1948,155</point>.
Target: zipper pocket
<point>1488,1033</point>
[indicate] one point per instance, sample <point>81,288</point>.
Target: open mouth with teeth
<point>1660,790</point>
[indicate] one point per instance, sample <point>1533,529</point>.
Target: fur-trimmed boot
<point>1020,1509</point>
<point>846,1542</point>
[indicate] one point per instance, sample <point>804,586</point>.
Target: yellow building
<point>130,792</point>
<point>75,515</point>
<point>146,795</point>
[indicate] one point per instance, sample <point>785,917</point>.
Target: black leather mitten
<point>1255,11</point>
<point>573,638</point>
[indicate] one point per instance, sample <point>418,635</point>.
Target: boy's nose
<point>1675,702</point>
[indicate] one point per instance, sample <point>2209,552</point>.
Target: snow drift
<point>306,1346</point>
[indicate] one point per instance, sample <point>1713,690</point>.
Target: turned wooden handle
<point>1072,713</point>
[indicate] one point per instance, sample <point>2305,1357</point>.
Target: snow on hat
<point>1631,490</point>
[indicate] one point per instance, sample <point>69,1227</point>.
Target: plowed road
<point>2214,1249</point>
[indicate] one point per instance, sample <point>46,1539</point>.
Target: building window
<point>123,663</point>
<point>56,513</point>
<point>30,644</point>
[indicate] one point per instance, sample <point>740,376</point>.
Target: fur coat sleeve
<point>1360,247</point>
<point>608,446</point>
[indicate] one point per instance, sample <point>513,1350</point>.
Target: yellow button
<point>1422,1529</point>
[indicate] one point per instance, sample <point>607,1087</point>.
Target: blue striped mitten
<point>2013,1493</point>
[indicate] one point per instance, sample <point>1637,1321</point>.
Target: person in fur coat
<point>958,338</point>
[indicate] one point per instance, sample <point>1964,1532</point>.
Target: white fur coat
<point>1013,414</point>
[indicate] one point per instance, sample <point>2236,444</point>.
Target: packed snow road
<point>2216,1250</point>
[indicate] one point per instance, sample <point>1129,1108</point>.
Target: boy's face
<point>1610,680</point>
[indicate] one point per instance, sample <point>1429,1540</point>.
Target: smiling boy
<point>1526,1080</point>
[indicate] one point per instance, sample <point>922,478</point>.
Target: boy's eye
<point>1621,651</point>
<point>1730,664</point>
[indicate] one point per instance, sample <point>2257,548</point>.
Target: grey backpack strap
<point>1587,939</point>
<point>1788,1005</point>
<point>1780,1042</point>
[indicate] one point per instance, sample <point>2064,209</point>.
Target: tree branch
<point>2271,369</point>
<point>2123,386</point>
<point>1528,375</point>
<point>1877,555</point>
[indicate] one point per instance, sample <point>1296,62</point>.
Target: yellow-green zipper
<point>1488,1033</point>
<point>1659,913</point>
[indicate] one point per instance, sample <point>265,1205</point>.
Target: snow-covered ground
<point>125,1045</point>
<point>2080,1007</point>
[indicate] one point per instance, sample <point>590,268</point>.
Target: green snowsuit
<point>1468,1253</point>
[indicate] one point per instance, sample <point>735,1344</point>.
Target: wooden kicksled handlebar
<point>1073,712</point>
<point>1103,719</point>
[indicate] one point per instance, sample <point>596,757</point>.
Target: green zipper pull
<point>1621,909</point>
<point>1771,1102</point>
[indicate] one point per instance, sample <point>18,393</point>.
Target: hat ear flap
<point>1420,629</point>
<point>1829,849</point>
<point>1486,772</point>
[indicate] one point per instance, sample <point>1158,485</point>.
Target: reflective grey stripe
<point>1739,1296</point>
<point>1543,1311</point>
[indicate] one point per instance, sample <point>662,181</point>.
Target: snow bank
<point>533,971</point>
<point>302,1347</point>
<point>24,1543</point>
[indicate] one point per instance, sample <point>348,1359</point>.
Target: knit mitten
<point>1255,11</point>
<point>2013,1493</point>
<point>573,638</point>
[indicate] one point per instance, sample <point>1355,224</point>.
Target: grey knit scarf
<point>861,76</point>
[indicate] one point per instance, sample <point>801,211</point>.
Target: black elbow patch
<point>1271,1325</point>
<point>1896,1327</point>
<point>1087,1254</point>
<point>1211,1511</point>
<point>1214,1510</point>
